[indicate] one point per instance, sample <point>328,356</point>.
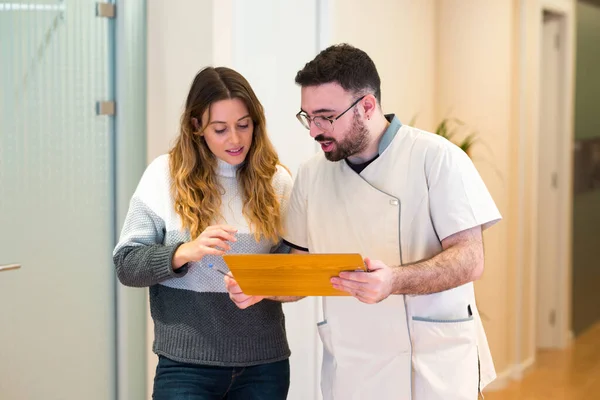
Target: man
<point>415,206</point>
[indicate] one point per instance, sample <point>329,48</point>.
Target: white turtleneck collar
<point>225,169</point>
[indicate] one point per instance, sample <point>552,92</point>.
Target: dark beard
<point>356,140</point>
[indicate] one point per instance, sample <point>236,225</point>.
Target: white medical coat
<point>420,190</point>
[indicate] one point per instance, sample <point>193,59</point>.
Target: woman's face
<point>228,133</point>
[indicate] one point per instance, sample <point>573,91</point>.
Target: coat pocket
<point>445,359</point>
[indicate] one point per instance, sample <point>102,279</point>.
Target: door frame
<point>129,91</point>
<point>562,329</point>
<point>565,9</point>
<point>548,277</point>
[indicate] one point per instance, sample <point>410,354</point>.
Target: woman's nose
<point>234,138</point>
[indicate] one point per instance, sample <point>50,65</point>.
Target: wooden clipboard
<point>291,274</point>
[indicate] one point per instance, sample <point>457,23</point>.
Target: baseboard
<point>520,369</point>
<point>502,380</point>
<point>514,372</point>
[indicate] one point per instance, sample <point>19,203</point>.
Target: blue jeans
<point>181,381</point>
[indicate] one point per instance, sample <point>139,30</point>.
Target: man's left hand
<point>369,287</point>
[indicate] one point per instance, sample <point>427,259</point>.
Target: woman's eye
<point>220,131</point>
<point>243,126</point>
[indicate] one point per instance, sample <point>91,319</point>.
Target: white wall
<point>179,45</point>
<point>400,38</point>
<point>272,40</point>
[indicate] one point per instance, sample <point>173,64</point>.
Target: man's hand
<point>236,295</point>
<point>369,287</point>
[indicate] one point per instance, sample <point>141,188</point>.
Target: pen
<point>218,270</point>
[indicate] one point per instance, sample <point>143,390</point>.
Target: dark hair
<point>352,68</point>
<point>195,189</point>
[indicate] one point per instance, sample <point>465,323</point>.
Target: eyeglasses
<point>323,123</point>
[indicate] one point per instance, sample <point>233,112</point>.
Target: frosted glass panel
<point>56,202</point>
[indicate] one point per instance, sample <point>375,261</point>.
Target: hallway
<point>570,374</point>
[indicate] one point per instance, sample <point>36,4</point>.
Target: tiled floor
<point>569,374</point>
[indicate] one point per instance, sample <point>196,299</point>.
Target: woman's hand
<point>213,240</point>
<point>236,295</point>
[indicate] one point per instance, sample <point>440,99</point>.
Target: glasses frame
<point>306,120</point>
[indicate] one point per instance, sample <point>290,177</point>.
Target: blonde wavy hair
<point>195,188</point>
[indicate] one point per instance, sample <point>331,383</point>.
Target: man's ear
<point>369,104</point>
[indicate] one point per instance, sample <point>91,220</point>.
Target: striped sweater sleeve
<point>141,258</point>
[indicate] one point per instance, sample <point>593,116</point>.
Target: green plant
<point>451,129</point>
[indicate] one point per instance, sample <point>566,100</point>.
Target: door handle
<point>8,267</point>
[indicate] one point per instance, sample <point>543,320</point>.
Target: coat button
<point>394,202</point>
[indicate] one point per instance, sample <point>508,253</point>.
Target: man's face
<point>348,135</point>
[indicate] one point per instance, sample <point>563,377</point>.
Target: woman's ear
<point>195,124</point>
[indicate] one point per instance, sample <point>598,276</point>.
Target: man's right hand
<point>213,240</point>
<point>237,296</point>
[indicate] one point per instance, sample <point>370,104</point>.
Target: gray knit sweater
<point>194,319</point>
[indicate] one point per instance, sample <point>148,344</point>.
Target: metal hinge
<point>105,108</point>
<point>555,180</point>
<point>552,318</point>
<point>9,267</point>
<point>105,10</point>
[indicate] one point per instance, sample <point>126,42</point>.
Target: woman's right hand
<point>213,240</point>
<point>238,297</point>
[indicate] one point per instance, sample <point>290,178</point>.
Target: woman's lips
<point>235,152</point>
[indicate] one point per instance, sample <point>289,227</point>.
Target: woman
<point>220,189</point>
